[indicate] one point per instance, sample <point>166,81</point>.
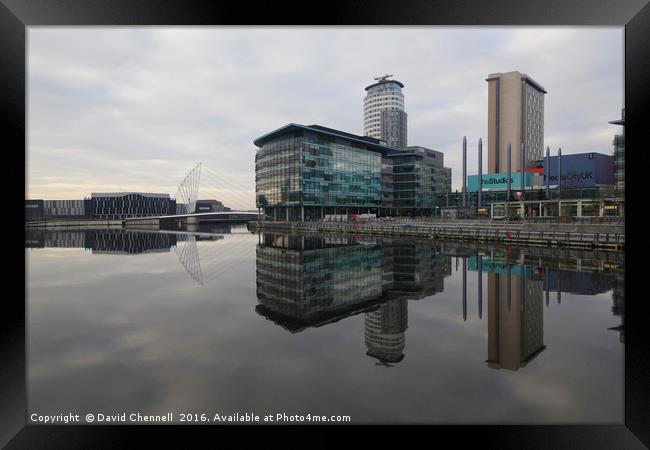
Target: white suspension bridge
<point>202,183</point>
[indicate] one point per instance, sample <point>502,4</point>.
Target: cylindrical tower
<point>559,172</point>
<point>508,194</point>
<point>547,169</point>
<point>480,171</point>
<point>383,112</point>
<point>464,171</point>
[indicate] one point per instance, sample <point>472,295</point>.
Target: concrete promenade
<point>74,223</point>
<point>575,235</point>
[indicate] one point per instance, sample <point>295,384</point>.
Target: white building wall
<point>384,96</point>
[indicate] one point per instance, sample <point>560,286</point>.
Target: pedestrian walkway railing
<point>460,230</point>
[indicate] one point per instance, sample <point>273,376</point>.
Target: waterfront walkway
<point>577,235</point>
<point>74,223</point>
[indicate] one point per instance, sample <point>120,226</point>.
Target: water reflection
<point>118,241</point>
<point>145,320</point>
<point>106,241</point>
<point>308,281</point>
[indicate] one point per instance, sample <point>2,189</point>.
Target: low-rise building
<point>417,177</point>
<point>37,209</point>
<point>205,206</point>
<point>579,171</point>
<point>120,205</point>
<point>34,210</point>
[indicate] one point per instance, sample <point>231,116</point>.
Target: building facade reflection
<point>618,306</point>
<point>385,331</point>
<point>517,291</point>
<point>309,281</point>
<point>200,265</point>
<point>515,319</point>
<point>306,281</point>
<point>107,241</point>
<point>115,241</point>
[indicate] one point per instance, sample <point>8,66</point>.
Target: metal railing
<point>461,231</point>
<point>613,220</point>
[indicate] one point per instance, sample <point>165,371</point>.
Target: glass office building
<point>416,181</point>
<point>120,205</point>
<point>308,172</point>
<point>619,156</point>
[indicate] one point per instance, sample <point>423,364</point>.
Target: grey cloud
<point>125,107</point>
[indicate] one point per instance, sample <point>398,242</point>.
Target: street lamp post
<point>480,171</point>
<point>464,171</point>
<point>509,177</point>
<point>547,177</point>
<point>559,181</point>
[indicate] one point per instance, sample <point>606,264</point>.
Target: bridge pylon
<point>188,190</point>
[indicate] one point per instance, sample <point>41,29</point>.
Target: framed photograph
<point>376,214</point>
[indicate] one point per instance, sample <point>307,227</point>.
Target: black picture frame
<point>16,15</point>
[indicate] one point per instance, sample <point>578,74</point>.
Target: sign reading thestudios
<point>499,181</point>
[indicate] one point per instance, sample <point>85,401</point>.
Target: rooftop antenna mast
<point>382,78</point>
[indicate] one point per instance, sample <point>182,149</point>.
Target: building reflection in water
<point>516,294</point>
<point>515,318</point>
<point>120,241</point>
<point>103,241</point>
<point>117,241</point>
<point>309,281</point>
<point>385,331</point>
<point>618,300</point>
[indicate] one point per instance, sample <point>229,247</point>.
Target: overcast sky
<point>134,109</point>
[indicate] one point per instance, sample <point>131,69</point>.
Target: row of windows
<point>390,96</point>
<point>377,105</point>
<point>346,175</point>
<point>378,91</point>
<point>294,171</point>
<point>380,106</point>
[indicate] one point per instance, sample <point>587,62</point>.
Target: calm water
<point>396,331</point>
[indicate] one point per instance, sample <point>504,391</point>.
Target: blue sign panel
<point>583,170</point>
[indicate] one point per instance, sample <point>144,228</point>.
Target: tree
<point>262,201</point>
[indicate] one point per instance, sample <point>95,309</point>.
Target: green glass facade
<point>337,174</point>
<point>619,157</point>
<point>309,280</point>
<point>308,172</point>
<point>619,163</point>
<point>303,281</point>
<point>416,182</point>
<point>304,173</point>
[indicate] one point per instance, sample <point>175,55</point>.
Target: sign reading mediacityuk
<point>574,178</point>
<point>583,170</point>
<point>499,181</point>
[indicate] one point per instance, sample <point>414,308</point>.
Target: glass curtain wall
<point>306,176</point>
